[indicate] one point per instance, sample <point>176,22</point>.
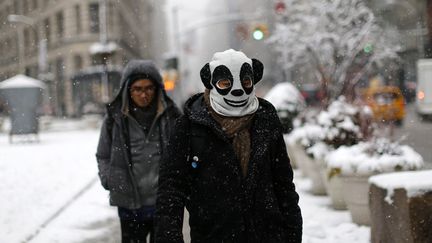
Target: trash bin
<point>23,96</point>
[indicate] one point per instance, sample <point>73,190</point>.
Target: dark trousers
<point>135,227</point>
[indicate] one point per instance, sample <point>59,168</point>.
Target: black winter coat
<point>116,168</point>
<point>224,206</point>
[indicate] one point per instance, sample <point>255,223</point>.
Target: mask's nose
<point>237,92</point>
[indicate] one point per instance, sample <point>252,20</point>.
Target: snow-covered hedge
<point>374,157</point>
<point>288,102</point>
<point>338,125</point>
<point>285,96</point>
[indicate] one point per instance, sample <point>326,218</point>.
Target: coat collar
<point>264,125</point>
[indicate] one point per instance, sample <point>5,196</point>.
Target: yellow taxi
<point>387,103</point>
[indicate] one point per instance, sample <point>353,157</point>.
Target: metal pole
<point>20,49</point>
<point>43,75</point>
<point>103,40</point>
<point>103,22</point>
<point>233,8</point>
<point>420,40</point>
<point>175,20</point>
<point>177,45</point>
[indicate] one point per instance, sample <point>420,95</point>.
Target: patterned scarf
<point>237,129</point>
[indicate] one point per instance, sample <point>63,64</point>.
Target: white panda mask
<point>231,77</point>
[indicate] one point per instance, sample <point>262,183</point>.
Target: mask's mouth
<point>234,103</point>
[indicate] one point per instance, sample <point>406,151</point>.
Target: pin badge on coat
<point>194,163</point>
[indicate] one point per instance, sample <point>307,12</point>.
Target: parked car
<point>311,94</point>
<point>288,102</point>
<point>387,103</point>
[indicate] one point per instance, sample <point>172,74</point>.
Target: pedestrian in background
<point>134,135</point>
<point>227,164</point>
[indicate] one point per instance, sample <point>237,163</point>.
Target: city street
<point>416,133</point>
<point>65,65</point>
<point>55,195</point>
<point>65,202</point>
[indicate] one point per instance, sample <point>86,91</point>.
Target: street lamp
<point>13,18</point>
<point>104,49</point>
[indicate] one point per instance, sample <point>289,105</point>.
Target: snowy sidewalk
<point>39,179</point>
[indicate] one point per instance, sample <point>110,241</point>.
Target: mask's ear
<point>206,76</point>
<point>258,69</point>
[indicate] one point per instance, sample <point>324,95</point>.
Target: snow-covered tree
<point>340,39</point>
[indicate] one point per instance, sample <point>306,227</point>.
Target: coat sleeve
<point>285,191</point>
<point>103,154</point>
<point>173,186</point>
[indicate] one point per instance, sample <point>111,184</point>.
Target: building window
<point>16,9</point>
<point>60,24</point>
<point>35,4</point>
<point>78,62</point>
<point>25,6</point>
<point>60,69</point>
<point>78,19</point>
<point>110,16</point>
<point>7,44</point>
<point>47,30</point>
<point>28,71</point>
<point>94,17</point>
<point>35,39</point>
<point>26,40</point>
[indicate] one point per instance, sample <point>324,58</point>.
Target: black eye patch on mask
<point>246,72</point>
<point>222,72</point>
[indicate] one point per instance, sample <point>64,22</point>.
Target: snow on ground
<point>321,223</point>
<point>41,179</point>
<point>37,179</point>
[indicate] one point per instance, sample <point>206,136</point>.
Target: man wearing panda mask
<point>230,77</point>
<point>227,163</point>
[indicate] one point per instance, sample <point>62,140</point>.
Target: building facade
<point>71,45</point>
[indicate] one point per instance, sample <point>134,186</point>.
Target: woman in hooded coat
<point>134,135</point>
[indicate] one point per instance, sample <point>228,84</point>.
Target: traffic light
<point>260,31</point>
<point>368,48</point>
<point>170,78</point>
<point>280,7</point>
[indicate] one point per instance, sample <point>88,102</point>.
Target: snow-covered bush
<point>288,102</point>
<point>306,135</point>
<point>373,157</point>
<point>340,123</point>
<point>337,125</point>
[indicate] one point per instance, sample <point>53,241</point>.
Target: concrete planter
<point>334,185</point>
<point>292,155</point>
<point>401,207</point>
<point>299,155</point>
<point>356,195</point>
<point>314,172</point>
